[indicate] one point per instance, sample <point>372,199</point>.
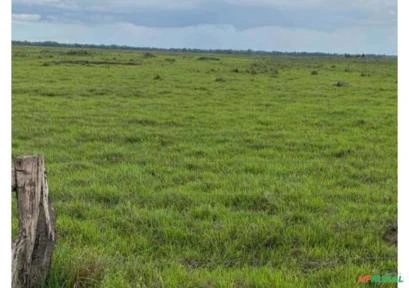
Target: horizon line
<point>225,51</point>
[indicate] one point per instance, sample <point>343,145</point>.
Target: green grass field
<point>190,170</point>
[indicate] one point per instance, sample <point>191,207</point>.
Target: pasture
<point>208,170</point>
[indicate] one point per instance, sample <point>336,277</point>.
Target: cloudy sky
<point>334,26</point>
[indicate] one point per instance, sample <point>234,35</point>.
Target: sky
<point>332,26</point>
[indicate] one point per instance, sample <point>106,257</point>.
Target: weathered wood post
<point>32,250</point>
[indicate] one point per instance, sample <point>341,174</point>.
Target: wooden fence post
<point>32,250</point>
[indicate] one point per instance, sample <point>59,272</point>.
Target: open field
<point>188,170</point>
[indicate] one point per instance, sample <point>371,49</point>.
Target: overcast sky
<point>334,26</point>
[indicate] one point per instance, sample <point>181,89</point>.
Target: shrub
<point>157,77</point>
<point>77,52</point>
<point>340,84</point>
<point>148,55</point>
<point>314,72</point>
<point>20,54</point>
<point>264,66</point>
<point>274,73</point>
<point>208,58</point>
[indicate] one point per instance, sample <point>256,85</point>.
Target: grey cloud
<point>116,6</point>
<point>26,17</point>
<point>204,13</point>
<point>346,40</point>
<point>323,25</point>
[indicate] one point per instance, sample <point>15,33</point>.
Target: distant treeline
<point>189,50</point>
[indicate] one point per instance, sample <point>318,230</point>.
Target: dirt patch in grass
<point>315,265</point>
<point>192,263</point>
<point>91,62</point>
<point>391,235</point>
